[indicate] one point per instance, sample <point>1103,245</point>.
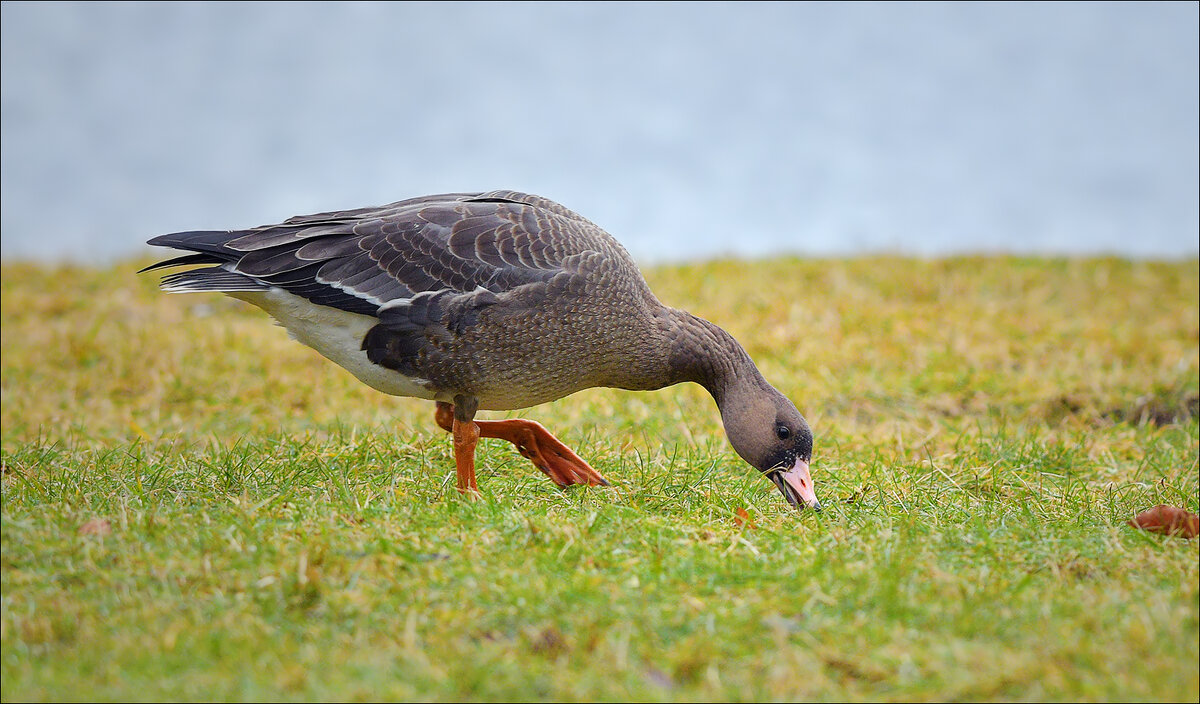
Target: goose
<point>497,301</point>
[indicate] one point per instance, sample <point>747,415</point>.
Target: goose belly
<point>338,336</point>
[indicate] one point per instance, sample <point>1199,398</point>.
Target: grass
<point>195,507</point>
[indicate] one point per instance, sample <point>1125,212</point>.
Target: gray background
<point>686,130</point>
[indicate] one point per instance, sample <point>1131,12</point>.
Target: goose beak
<point>796,485</point>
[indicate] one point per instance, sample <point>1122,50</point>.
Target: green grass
<point>195,507</point>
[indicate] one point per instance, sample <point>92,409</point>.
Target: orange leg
<point>459,420</point>
<point>466,435</point>
<point>534,442</point>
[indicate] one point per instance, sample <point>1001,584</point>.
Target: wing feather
<point>361,259</point>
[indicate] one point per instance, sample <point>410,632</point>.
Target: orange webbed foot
<point>536,444</point>
<point>547,452</point>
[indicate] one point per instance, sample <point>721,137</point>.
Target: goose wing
<point>361,260</point>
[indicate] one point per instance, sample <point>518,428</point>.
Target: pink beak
<point>796,484</point>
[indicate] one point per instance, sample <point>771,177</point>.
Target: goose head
<point>767,431</point>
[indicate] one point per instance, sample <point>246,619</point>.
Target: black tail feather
<point>202,258</point>
<point>210,241</point>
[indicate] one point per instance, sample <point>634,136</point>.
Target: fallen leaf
<point>1171,520</point>
<point>742,519</point>
<point>550,641</point>
<point>96,526</point>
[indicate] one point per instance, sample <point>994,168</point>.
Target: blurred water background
<point>686,130</point>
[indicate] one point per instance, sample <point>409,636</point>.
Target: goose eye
<point>783,432</point>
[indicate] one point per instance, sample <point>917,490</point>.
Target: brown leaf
<point>742,519</point>
<point>96,526</point>
<point>550,641</point>
<point>1168,519</point>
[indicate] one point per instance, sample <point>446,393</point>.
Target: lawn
<point>197,508</point>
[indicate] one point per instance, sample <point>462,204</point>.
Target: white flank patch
<point>338,336</point>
